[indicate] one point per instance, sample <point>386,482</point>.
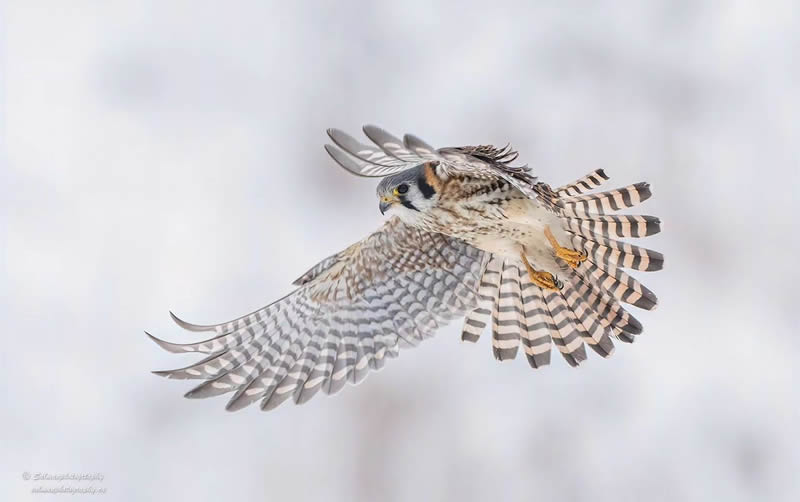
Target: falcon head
<point>410,193</point>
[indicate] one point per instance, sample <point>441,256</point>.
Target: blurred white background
<point>168,155</point>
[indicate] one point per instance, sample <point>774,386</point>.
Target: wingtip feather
<point>237,403</point>
<point>168,346</point>
<point>344,161</point>
<point>187,325</point>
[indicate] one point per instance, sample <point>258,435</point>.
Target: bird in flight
<point>468,235</point>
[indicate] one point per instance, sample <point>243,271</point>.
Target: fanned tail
<point>599,284</point>
<point>588,309</point>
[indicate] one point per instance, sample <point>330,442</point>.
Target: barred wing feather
<point>351,312</point>
<point>389,155</point>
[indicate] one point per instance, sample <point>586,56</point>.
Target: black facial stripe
<point>424,187</point>
<point>408,204</point>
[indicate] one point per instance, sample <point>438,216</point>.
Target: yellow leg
<point>544,280</point>
<point>572,257</point>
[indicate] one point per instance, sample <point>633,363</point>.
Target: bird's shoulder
<point>463,187</point>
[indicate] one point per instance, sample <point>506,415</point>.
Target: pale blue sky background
<point>168,155</point>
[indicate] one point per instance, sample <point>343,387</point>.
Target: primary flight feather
<point>468,235</point>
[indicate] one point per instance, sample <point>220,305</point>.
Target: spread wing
<point>388,155</point>
<point>349,314</point>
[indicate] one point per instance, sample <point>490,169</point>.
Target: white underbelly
<point>525,230</point>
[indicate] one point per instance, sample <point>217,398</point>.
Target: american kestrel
<point>468,234</point>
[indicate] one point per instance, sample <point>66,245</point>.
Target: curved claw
<point>544,280</point>
<point>572,258</point>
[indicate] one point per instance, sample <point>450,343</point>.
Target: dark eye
<point>402,189</point>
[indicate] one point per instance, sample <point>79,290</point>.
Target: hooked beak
<point>385,203</point>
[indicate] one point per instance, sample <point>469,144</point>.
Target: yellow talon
<point>544,280</point>
<point>572,257</point>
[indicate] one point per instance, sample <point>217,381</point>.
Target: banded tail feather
<point>617,226</point>
<point>474,324</point>
<point>475,321</point>
<point>565,335</point>
<point>538,324</point>
<point>583,185</point>
<point>592,330</point>
<point>603,250</point>
<point>606,202</point>
<point>618,284</point>
<point>609,311</point>
<point>507,316</point>
<point>622,336</point>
